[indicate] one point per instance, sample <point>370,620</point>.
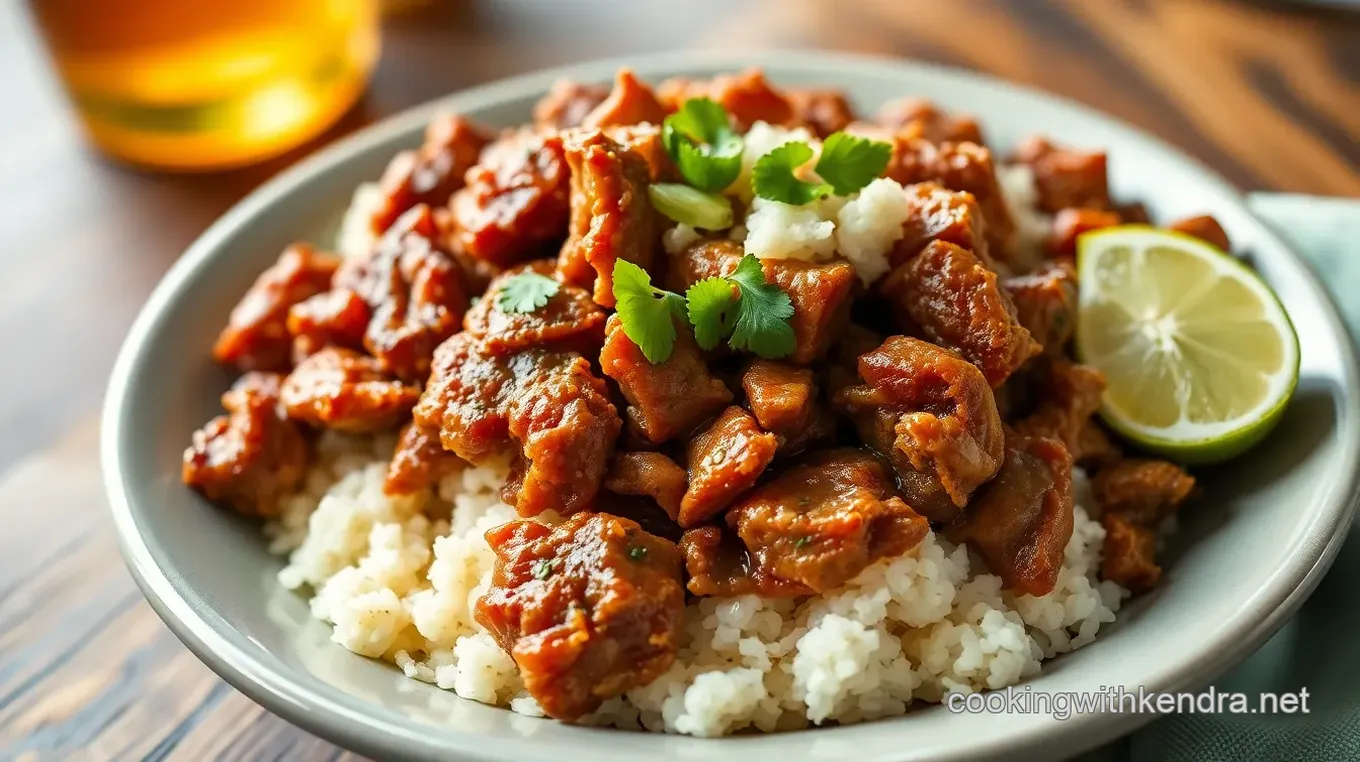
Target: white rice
<point>355,236</point>
<point>398,585</point>
<point>1031,225</point>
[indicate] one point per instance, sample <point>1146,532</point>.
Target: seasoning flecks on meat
<point>747,96</point>
<point>958,167</point>
<point>919,118</point>
<point>347,391</point>
<point>588,609</point>
<point>544,407</point>
<point>414,290</point>
<point>1205,228</point>
<point>1021,522</point>
<point>569,320</point>
<point>431,173</point>
<point>517,199</point>
<point>811,529</point>
<point>336,318</point>
<point>952,298</point>
<point>567,104</point>
<point>256,336</point>
<point>630,102</point>
<point>611,216</point>
<point>784,400</point>
<point>1066,178</point>
<point>1046,304</point>
<point>723,461</point>
<point>419,462</point>
<point>649,474</point>
<point>933,415</point>
<point>253,455</point>
<point>666,399</point>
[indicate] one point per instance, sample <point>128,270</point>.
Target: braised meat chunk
<point>1205,228</point>
<point>611,216</point>
<point>825,111</point>
<point>419,462</point>
<point>748,98</point>
<point>1071,223</point>
<point>336,318</point>
<point>649,474</point>
<point>950,297</point>
<point>588,609</point>
<point>936,213</point>
<point>516,201</point>
<point>815,526</point>
<point>1144,491</point>
<point>1065,178</point>
<point>1046,304</point>
<point>570,319</point>
<point>630,102</point>
<point>723,461</point>
<point>784,400</point>
<point>958,167</point>
<point>567,104</point>
<point>1069,394</point>
<point>431,173</point>
<point>253,455</point>
<point>256,336</point>
<point>343,390</point>
<point>932,414</point>
<point>545,408</point>
<point>1129,554</point>
<point>415,293</point>
<point>919,118</point>
<point>1020,523</point>
<point>666,399</point>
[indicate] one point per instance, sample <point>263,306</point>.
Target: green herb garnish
<point>801,541</point>
<point>646,312</point>
<point>700,140</point>
<point>773,177</point>
<point>746,307</point>
<point>847,164</point>
<point>525,292</point>
<point>682,203</point>
<point>711,312</point>
<point>543,569</point>
<point>637,552</point>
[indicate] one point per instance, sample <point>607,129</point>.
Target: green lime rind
<point>1224,446</point>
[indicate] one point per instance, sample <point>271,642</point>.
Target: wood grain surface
<point>1266,93</point>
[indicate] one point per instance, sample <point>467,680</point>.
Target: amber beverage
<point>187,84</point>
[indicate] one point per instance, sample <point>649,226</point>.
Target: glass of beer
<point>193,85</point>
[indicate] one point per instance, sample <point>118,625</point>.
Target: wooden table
<point>1264,93</point>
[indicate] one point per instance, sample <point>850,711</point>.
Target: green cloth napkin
<point>1319,649</point>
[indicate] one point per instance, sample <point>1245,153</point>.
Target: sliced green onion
<point>707,211</point>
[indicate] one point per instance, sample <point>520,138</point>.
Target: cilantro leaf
<point>773,177</point>
<point>849,163</point>
<point>763,312</point>
<point>647,313</point>
<point>711,312</point>
<point>525,292</point>
<point>682,203</point>
<point>701,142</point>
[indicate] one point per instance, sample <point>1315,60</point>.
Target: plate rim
<point>326,713</point>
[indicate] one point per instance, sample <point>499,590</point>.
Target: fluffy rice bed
<point>396,578</point>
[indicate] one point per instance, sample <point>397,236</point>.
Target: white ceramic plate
<point>1242,563</point>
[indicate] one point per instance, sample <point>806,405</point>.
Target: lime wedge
<point>1199,355</point>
